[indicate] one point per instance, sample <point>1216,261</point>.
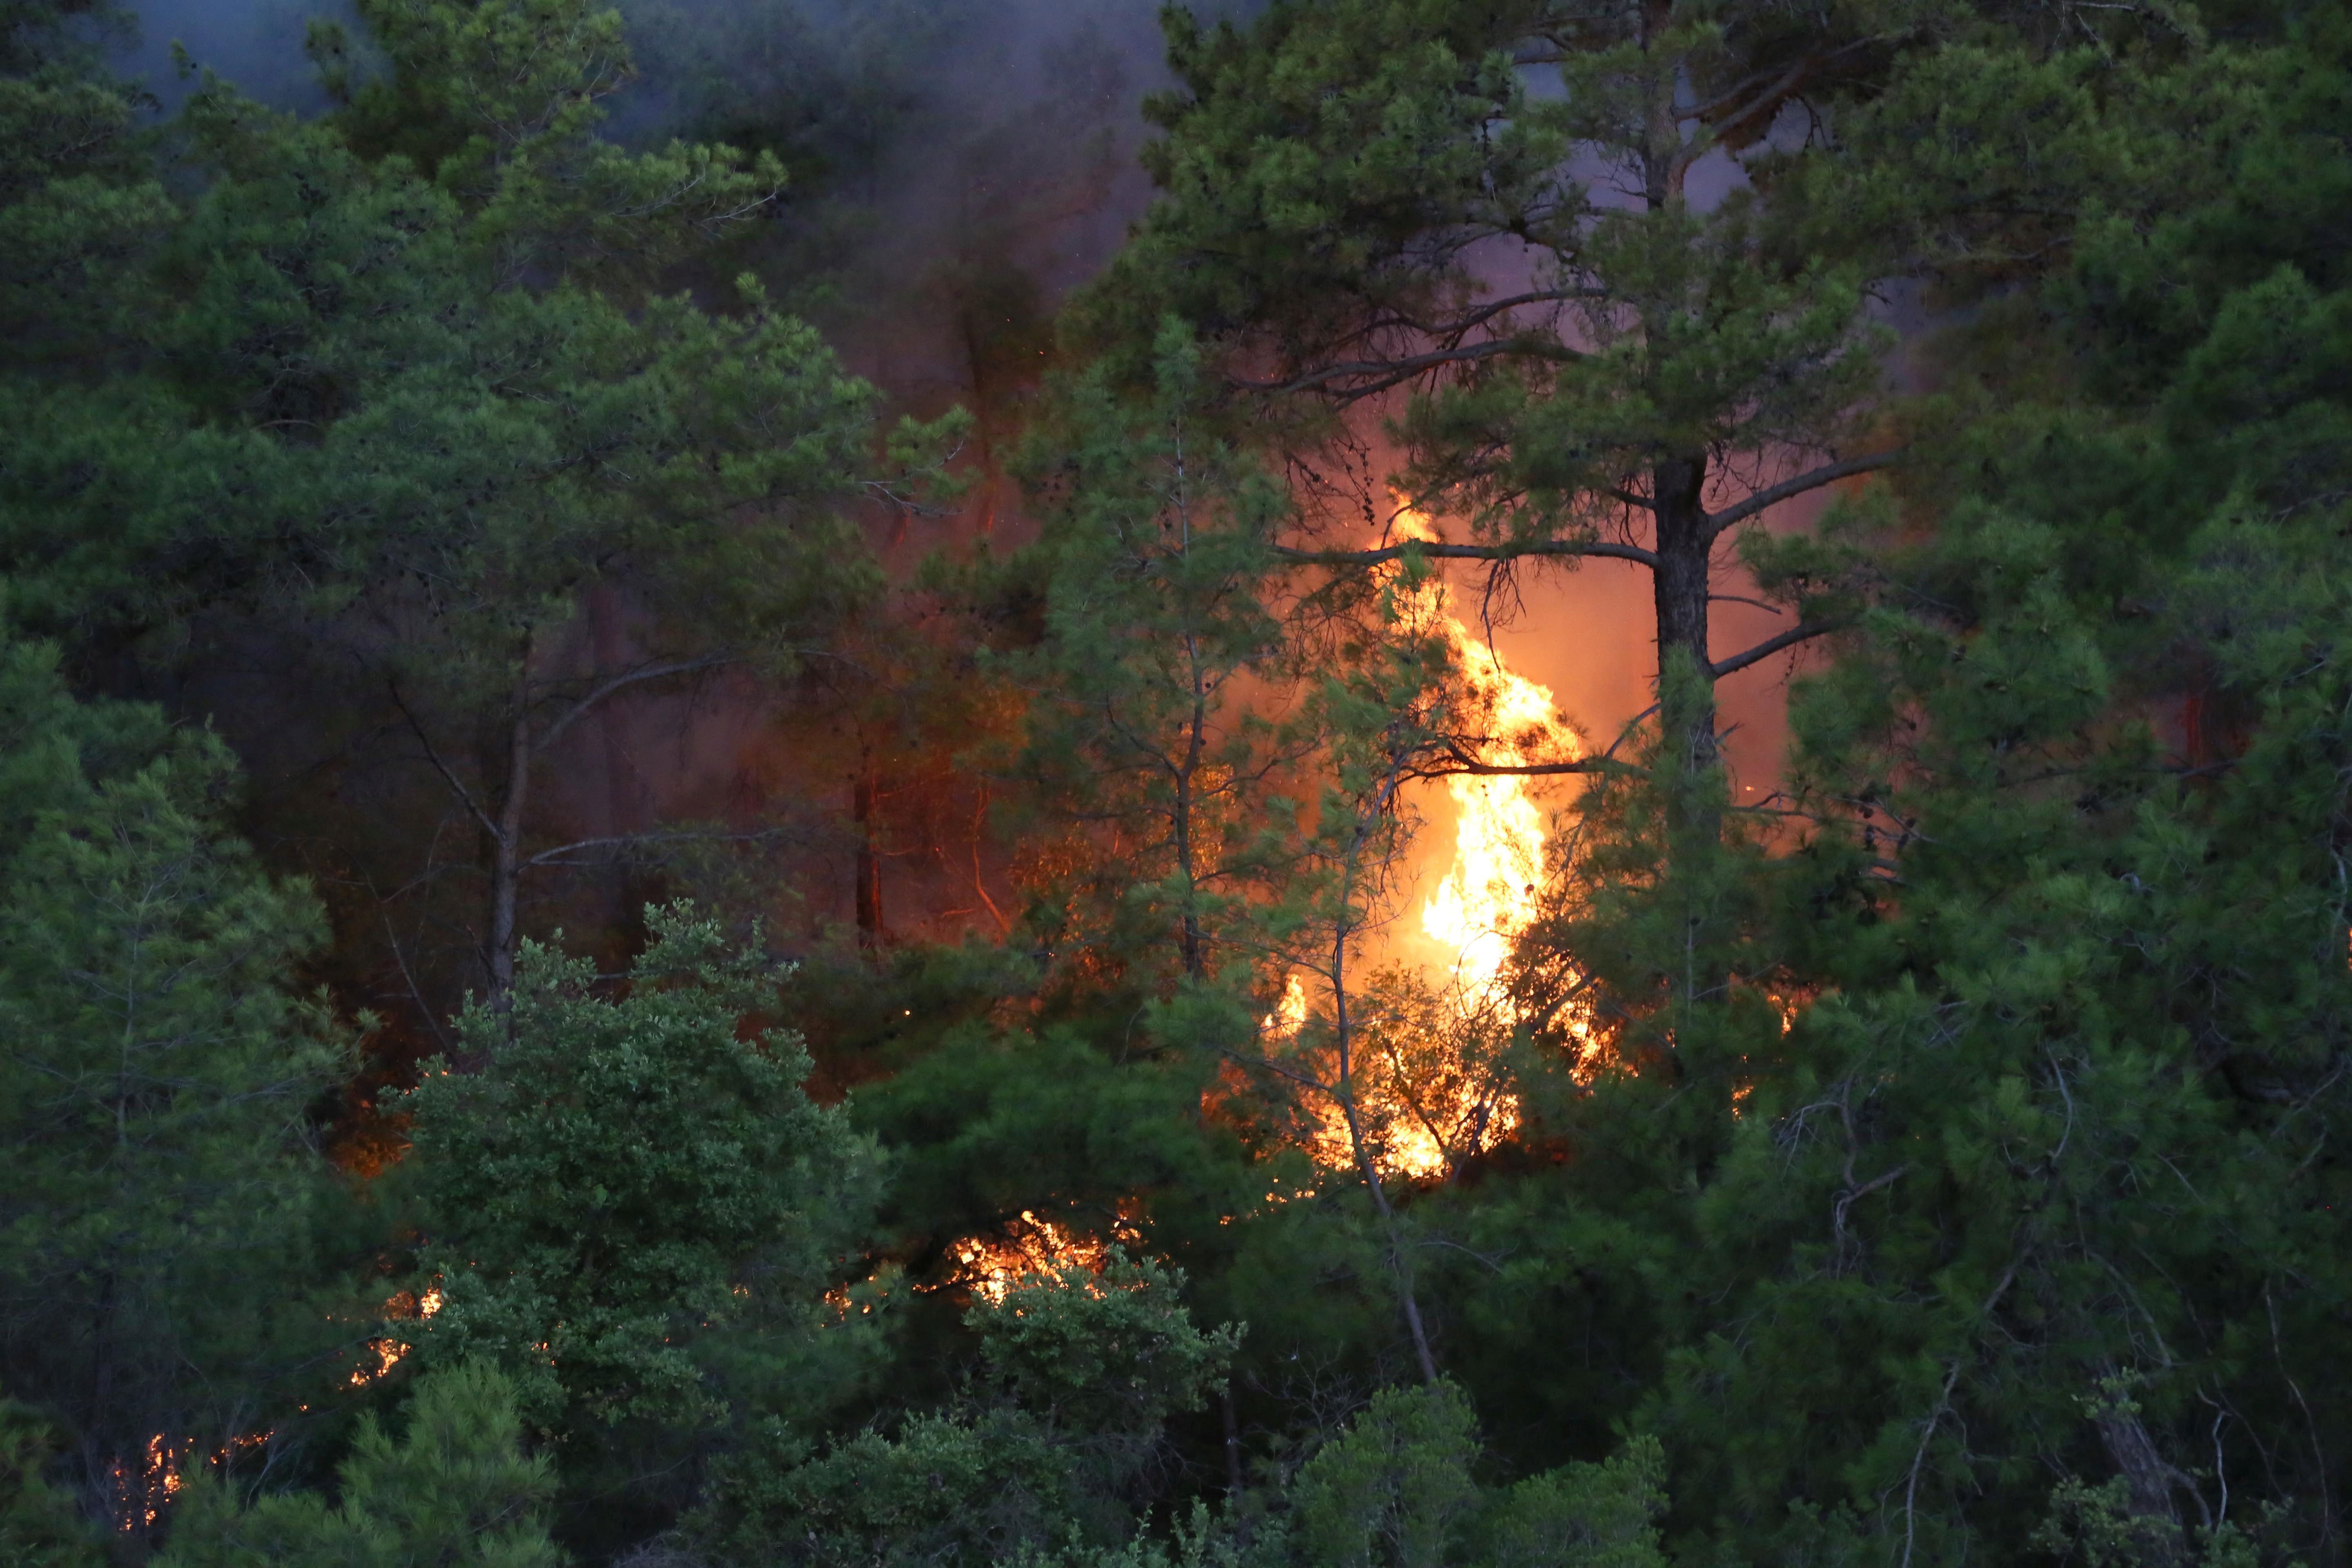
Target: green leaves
<point>624,1177</point>
<point>1084,1367</point>
<point>156,1267</point>
<point>454,1490</point>
<point>1109,1351</point>
<point>1395,1490</point>
<point>39,1526</point>
<point>1147,679</point>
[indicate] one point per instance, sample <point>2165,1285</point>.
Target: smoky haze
<point>257,44</point>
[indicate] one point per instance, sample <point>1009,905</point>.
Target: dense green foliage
<point>631,1206</point>
<point>455,1489</point>
<point>167,1221</point>
<point>1926,1149</point>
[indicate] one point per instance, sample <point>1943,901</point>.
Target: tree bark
<point>505,856</point>
<point>2156,1535</point>
<point>862,794</point>
<point>1680,591</point>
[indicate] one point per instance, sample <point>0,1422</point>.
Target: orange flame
<point>388,1352</point>
<point>1487,897</point>
<point>1289,1015</point>
<point>141,1494</point>
<point>1037,1248</point>
<point>1422,1100</point>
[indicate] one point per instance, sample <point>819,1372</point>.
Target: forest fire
<point>1488,896</point>
<point>388,1352</point>
<point>143,1488</point>
<point>1434,1104</point>
<point>1289,1015</point>
<point>990,1267</point>
<point>1423,1079</point>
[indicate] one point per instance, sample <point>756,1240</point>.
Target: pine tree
<point>455,1490</point>
<point>1057,1441</point>
<point>1344,181</point>
<point>39,1526</point>
<point>2008,1224</point>
<point>162,1274</point>
<point>631,1207</point>
<point>407,400</point>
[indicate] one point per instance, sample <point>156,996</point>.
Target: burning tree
<point>1569,254</point>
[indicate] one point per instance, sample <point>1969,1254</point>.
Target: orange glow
<point>1289,1015</point>
<point>1425,1103</point>
<point>1488,896</point>
<point>1037,1249</point>
<point>141,1494</point>
<point>387,1352</point>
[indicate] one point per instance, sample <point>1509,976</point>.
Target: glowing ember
<point>1037,1249</point>
<point>387,1352</point>
<point>143,1490</point>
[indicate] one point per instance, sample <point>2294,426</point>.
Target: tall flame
<point>1488,896</point>
<point>1425,1100</point>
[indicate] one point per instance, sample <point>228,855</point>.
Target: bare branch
<point>433,756</point>
<point>1773,495</point>
<point>1770,646</point>
<point>555,857</point>
<point>414,993</point>
<point>1752,104</point>
<point>1542,547</point>
<point>1460,762</point>
<point>1397,371</point>
<point>627,678</point>
<point>1493,307</point>
<point>1267,1064</point>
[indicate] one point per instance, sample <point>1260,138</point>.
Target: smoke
<point>957,166</point>
<point>255,44</point>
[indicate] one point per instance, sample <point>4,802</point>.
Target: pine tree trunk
<point>505,860</point>
<point>862,794</point>
<point>2157,1538</point>
<point>1679,589</point>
